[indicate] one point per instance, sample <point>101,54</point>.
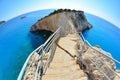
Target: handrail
<point>97,50</point>
<point>47,44</point>
<point>103,53</point>
<point>102,60</point>
<point>84,40</point>
<point>99,68</point>
<point>25,65</point>
<point>51,41</point>
<point>40,62</point>
<point>52,35</point>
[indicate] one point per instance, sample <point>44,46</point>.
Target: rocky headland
<point>2,22</point>
<point>74,22</point>
<point>64,18</point>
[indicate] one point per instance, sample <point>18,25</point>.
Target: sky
<point>106,9</point>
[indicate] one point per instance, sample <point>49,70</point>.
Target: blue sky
<point>107,9</point>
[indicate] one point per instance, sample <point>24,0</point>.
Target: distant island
<point>23,17</point>
<point>2,22</point>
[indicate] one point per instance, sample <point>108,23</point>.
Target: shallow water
<point>17,42</point>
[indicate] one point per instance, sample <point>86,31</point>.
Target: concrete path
<point>63,66</point>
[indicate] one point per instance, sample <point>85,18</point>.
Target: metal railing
<point>94,63</point>
<point>48,47</point>
<point>101,60</point>
<point>98,50</point>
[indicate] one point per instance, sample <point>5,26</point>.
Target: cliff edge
<point>64,18</point>
<point>95,62</point>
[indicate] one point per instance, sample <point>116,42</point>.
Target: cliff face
<point>87,58</point>
<point>69,20</point>
<point>94,62</point>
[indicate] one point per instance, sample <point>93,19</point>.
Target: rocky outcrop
<point>95,64</point>
<point>67,19</point>
<point>32,66</point>
<point>2,22</point>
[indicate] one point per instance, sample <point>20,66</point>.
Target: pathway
<point>63,66</point>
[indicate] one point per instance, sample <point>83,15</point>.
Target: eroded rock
<point>96,65</point>
<point>65,19</point>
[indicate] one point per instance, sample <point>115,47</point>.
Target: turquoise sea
<point>17,42</point>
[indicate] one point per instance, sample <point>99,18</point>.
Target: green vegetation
<point>60,11</point>
<point>36,63</point>
<point>45,57</point>
<point>97,46</point>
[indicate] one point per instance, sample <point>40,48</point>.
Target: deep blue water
<point>104,34</point>
<point>17,42</point>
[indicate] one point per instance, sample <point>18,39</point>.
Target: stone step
<point>58,59</point>
<point>58,64</point>
<point>62,70</point>
<point>74,75</point>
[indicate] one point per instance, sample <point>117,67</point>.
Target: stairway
<point>63,66</point>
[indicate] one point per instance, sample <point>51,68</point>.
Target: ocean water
<point>104,34</point>
<point>17,42</point>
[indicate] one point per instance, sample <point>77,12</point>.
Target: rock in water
<point>2,22</point>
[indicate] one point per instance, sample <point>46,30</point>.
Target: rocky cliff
<point>96,65</point>
<point>67,19</point>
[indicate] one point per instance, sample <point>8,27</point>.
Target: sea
<point>17,42</point>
